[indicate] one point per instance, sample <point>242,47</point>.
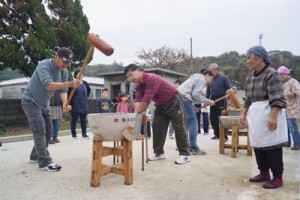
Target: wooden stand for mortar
<point>124,168</point>
<point>230,127</point>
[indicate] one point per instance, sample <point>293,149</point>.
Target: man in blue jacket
<point>216,89</point>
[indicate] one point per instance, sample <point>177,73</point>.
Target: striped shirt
<point>264,85</point>
<point>154,88</point>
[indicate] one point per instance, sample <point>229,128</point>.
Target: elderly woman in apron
<point>265,110</point>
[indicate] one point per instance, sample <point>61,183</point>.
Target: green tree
<point>26,35</point>
<point>72,26</point>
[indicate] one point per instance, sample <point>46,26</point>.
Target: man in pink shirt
<point>168,102</point>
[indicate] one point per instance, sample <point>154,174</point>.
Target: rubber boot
<point>263,176</point>
<point>275,183</point>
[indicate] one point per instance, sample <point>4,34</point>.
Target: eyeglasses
<point>129,77</point>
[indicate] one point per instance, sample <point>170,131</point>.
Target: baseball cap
<point>283,70</point>
<point>66,54</point>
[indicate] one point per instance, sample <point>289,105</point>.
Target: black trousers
<point>198,116</point>
<point>215,112</point>
<point>172,111</point>
<point>270,159</point>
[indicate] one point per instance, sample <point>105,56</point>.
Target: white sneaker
<point>51,167</point>
<point>33,160</point>
<point>155,157</point>
<point>182,159</point>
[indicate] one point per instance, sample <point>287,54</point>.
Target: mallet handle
<point>90,52</point>
<point>221,98</point>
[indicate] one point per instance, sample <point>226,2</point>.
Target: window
<point>98,93</point>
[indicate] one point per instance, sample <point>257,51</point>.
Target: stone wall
<point>12,114</point>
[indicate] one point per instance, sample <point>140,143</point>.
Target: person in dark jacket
<point>216,89</point>
<point>104,104</point>
<point>80,106</point>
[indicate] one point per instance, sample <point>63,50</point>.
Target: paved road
<point>210,177</point>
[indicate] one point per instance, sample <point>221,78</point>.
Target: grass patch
<point>64,125</point>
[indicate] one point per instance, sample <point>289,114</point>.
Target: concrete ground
<point>210,177</point>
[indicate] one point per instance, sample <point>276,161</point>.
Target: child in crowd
<point>104,104</point>
<point>123,106</point>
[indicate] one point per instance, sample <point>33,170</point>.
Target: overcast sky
<point>216,26</point>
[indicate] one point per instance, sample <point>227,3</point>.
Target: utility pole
<point>191,53</point>
<point>260,38</point>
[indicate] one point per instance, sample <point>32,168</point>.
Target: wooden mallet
<point>95,41</point>
<point>231,95</point>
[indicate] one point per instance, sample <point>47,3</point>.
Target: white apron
<point>259,134</point>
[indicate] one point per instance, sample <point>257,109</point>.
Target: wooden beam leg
<point>221,139</point>
<point>249,148</point>
<point>143,153</point>
<point>96,161</point>
<point>237,141</point>
<point>128,174</point>
<point>234,141</point>
<point>147,156</point>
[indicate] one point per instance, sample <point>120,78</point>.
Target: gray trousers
<point>172,111</point>
<point>40,123</point>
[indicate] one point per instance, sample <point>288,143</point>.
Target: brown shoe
<point>51,142</point>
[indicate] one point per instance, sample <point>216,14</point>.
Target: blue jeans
<point>148,129</point>
<point>55,124</point>
<point>293,129</point>
<point>39,120</point>
<point>191,120</point>
<point>74,120</point>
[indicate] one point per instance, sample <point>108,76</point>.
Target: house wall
<point>110,81</point>
<point>12,91</point>
<point>15,91</point>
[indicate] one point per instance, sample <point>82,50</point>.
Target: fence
<point>12,114</point>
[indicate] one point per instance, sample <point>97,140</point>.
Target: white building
<point>13,89</point>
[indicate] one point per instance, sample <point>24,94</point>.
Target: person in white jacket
<point>191,90</point>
